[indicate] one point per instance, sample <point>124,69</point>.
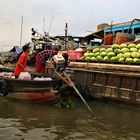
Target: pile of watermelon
<point>117,53</point>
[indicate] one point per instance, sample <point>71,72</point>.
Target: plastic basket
<point>75,55</point>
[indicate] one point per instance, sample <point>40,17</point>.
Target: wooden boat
<point>30,89</point>
<point>115,82</point>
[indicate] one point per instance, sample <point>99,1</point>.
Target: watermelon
<point>136,60</point>
<point>115,46</point>
<point>120,55</point>
<point>93,59</point>
<point>135,54</point>
<point>111,54</point>
<point>133,50</point>
<point>109,50</point>
<point>132,46</point>
<point>129,60</point>
<point>123,46</point>
<point>121,60</point>
<point>102,50</point>
<point>106,58</point>
<point>124,50</point>
<point>96,54</point>
<point>96,50</point>
<point>127,55</point>
<point>117,51</point>
<point>99,58</point>
<point>103,54</point>
<point>114,59</point>
<point>91,54</point>
<point>88,58</point>
<point>86,54</point>
<point>138,46</point>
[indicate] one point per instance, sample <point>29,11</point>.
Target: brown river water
<point>33,121</point>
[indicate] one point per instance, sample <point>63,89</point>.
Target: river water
<point>32,121</point>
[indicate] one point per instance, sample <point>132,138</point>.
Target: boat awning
<point>16,49</point>
<point>98,34</point>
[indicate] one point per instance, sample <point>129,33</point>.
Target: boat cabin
<point>124,27</point>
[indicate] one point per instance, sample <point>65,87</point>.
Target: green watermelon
<point>103,54</point>
<point>120,55</point>
<point>88,58</point>
<point>109,50</point>
<point>96,54</point>
<point>114,59</point>
<point>99,58</point>
<point>117,51</point>
<point>138,46</point>
<point>102,50</point>
<point>136,60</point>
<point>123,46</point>
<point>96,50</point>
<point>106,58</point>
<point>132,46</point>
<point>135,54</point>
<point>93,59</point>
<point>115,46</point>
<point>124,50</point>
<point>127,55</point>
<point>111,54</point>
<point>133,50</point>
<point>129,60</point>
<point>121,60</point>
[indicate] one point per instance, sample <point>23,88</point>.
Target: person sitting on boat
<point>22,61</point>
<point>42,57</point>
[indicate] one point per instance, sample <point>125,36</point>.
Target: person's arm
<point>21,66</point>
<point>20,62</point>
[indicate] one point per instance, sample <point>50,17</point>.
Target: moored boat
<point>116,82</point>
<point>30,89</point>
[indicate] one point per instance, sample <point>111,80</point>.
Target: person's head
<point>26,48</point>
<point>55,50</point>
<point>65,55</point>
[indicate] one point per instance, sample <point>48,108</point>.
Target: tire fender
<point>4,87</point>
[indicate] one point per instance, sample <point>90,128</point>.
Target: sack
<point>25,76</point>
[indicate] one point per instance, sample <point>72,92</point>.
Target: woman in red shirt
<point>22,61</point>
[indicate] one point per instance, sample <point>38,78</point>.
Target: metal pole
<point>66,33</point>
<point>44,25</point>
<point>21,32</point>
<point>50,25</point>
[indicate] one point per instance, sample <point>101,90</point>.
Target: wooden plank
<point>117,73</point>
<point>120,67</point>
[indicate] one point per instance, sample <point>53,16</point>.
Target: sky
<point>81,15</point>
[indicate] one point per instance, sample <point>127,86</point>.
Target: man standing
<point>42,57</point>
<point>22,61</point>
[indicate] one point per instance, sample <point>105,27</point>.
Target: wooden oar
<point>70,83</point>
<point>78,93</point>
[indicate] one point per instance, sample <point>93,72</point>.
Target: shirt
<point>22,60</point>
<point>44,55</point>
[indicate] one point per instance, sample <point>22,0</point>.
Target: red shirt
<point>22,60</point>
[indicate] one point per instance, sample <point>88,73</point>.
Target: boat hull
<point>33,90</point>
